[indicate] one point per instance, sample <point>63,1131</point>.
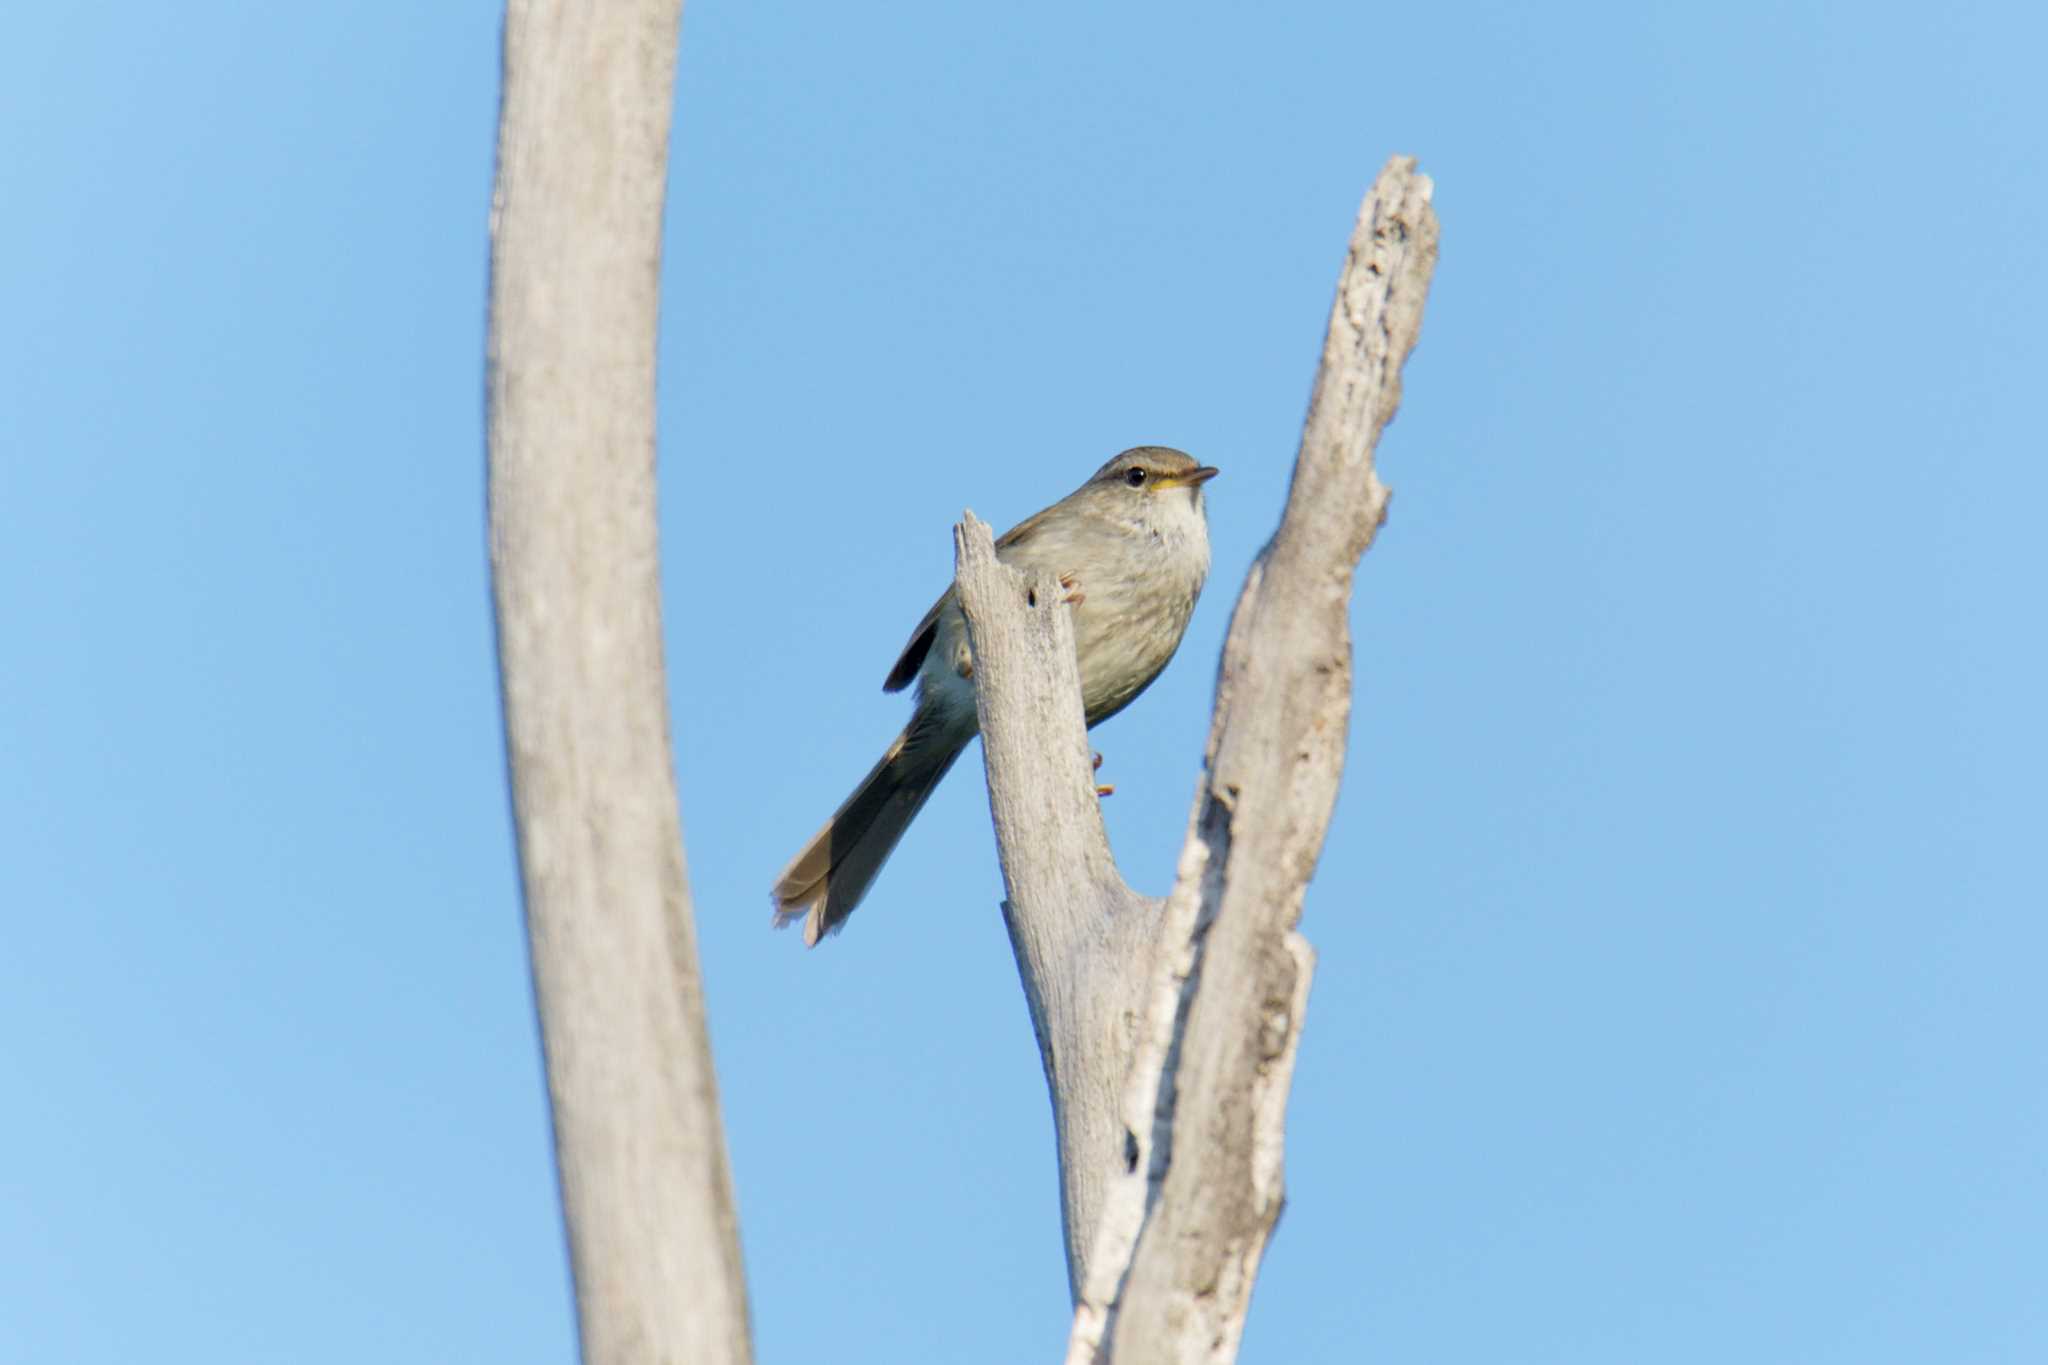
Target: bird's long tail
<point>824,883</point>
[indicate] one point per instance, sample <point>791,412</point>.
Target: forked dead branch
<point>1168,1032</point>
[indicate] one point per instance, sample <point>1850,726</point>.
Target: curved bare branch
<point>576,224</point>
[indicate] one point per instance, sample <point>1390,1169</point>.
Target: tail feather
<point>824,882</point>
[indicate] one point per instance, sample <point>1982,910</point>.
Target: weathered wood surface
<point>1169,1032</point>
<point>575,261</point>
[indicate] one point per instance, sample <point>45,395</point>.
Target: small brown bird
<point>1131,546</point>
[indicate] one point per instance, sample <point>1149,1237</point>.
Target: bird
<point>1130,547</point>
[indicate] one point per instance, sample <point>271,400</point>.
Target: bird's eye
<point>1135,477</point>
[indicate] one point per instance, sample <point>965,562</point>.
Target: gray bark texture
<point>575,238</point>
<point>1169,1029</point>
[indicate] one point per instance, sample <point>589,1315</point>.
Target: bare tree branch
<point>1169,1036</point>
<point>576,236</point>
<point>1081,936</point>
<point>1225,1018</point>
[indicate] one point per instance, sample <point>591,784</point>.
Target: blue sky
<point>1681,921</point>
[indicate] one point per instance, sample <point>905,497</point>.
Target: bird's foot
<point>1074,597</point>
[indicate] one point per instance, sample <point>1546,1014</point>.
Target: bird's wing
<point>920,645</point>
<point>927,630</point>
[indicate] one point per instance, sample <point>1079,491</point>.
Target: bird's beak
<point>1194,478</point>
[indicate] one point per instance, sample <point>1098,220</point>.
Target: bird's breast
<point>1136,583</point>
<point>1129,622</point>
